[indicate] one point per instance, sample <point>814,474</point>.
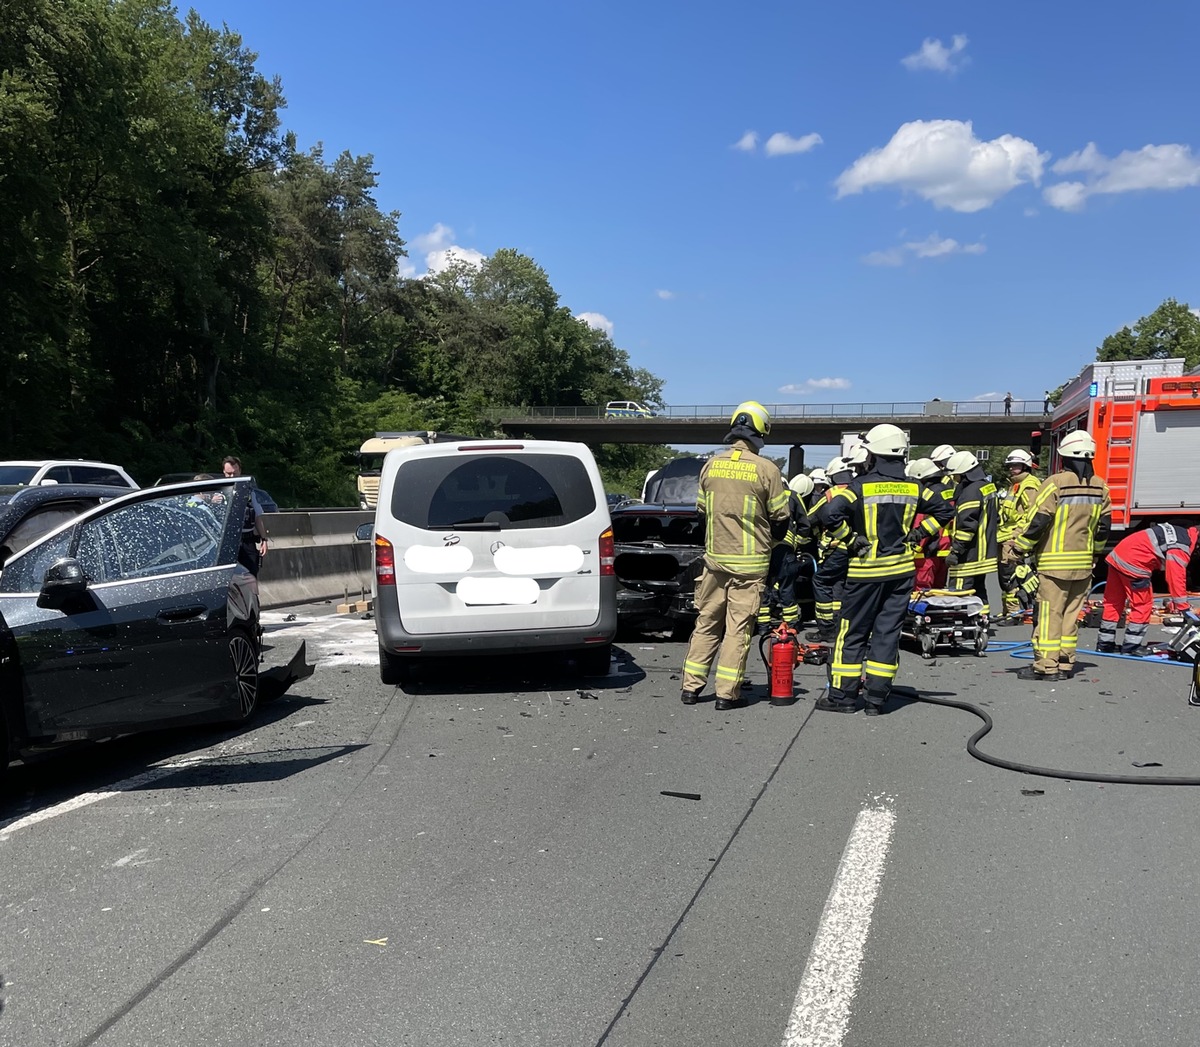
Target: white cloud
<point>436,261</point>
<point>783,144</point>
<point>1151,167</point>
<point>935,55</point>
<point>810,385</point>
<point>988,396</point>
<point>596,321</point>
<point>665,295</point>
<point>943,162</point>
<point>747,142</point>
<point>933,246</point>
<point>439,250</point>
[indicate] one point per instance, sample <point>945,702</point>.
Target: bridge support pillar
<point>795,461</point>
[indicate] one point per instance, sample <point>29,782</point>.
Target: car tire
<point>595,661</point>
<point>243,656</point>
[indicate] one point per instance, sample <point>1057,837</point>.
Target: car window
<point>16,474</point>
<point>91,474</point>
<point>59,474</point>
<point>25,571</point>
<point>40,521</point>
<point>544,490</point>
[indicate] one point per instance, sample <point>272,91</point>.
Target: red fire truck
<point>1145,418</point>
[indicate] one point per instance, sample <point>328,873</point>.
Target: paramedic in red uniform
<point>1161,547</point>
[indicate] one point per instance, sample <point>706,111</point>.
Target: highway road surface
<point>502,856</point>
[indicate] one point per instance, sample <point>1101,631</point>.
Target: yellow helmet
<point>753,414</point>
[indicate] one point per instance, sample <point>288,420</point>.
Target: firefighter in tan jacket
<point>745,507</point>
<point>1070,519</point>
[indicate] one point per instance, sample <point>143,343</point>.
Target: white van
<point>488,547</point>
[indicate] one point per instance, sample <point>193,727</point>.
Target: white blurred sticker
<point>437,559</point>
<point>497,591</point>
<point>544,560</point>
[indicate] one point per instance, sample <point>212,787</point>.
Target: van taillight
<point>385,562</point>
<point>608,552</point>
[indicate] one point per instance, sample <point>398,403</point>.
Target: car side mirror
<point>63,583</point>
<point>364,532</point>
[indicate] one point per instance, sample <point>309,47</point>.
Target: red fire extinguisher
<point>783,664</point>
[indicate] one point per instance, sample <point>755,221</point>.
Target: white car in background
<point>31,472</point>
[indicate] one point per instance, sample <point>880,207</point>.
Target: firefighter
<point>745,508</point>
<point>857,459</point>
<point>1016,500</point>
<point>931,554</point>
<point>973,535</point>
<point>941,457</point>
<point>834,558</point>
<point>1160,547</point>
<point>1070,518</point>
<point>876,516</point>
<point>786,560</point>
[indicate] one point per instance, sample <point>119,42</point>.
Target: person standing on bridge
<point>1007,404</point>
<point>876,516</point>
<point>745,508</point>
<point>1070,519</point>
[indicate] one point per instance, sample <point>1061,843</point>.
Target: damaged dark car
<point>659,545</point>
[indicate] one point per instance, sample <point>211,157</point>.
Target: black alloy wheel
<point>244,656</point>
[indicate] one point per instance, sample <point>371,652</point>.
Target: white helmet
<point>858,455</point>
<point>887,440</point>
<point>1019,456</point>
<point>923,469</point>
<point>908,470</point>
<point>801,485</point>
<point>1077,445</point>
<point>817,476</point>
<point>941,454</point>
<point>961,463</point>
<point>836,465</point>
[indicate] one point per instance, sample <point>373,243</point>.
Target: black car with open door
<point>135,615</point>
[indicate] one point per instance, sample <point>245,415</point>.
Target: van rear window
<point>486,490</point>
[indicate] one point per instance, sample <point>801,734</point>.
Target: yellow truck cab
<point>374,450</point>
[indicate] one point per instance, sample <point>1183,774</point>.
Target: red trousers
<point>1119,587</point>
<point>931,573</point>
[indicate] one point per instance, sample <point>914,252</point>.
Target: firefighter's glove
<point>860,545</point>
<point>952,559</point>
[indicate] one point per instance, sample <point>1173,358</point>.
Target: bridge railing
<point>873,412</point>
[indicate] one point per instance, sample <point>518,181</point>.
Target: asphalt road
<point>491,860</point>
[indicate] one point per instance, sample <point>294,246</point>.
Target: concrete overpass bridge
<point>967,424</point>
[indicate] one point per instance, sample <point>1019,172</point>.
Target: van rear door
<point>497,538</point>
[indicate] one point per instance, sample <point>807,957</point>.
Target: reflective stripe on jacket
<point>1016,504</point>
<point>882,507</point>
<point>1070,517</point>
<point>741,494</point>
<point>1163,547</point>
<point>973,535</point>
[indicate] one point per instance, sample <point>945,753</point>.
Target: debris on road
<point>682,796</point>
<point>588,694</point>
<point>1148,763</point>
<point>1033,792</point>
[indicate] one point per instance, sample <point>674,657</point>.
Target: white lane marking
<point>821,1013</point>
<point>87,799</point>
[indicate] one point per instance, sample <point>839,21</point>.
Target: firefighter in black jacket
<point>973,555</point>
<point>830,578</point>
<point>875,515</point>
<point>787,560</point>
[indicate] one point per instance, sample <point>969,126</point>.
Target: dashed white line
<point>821,1012</point>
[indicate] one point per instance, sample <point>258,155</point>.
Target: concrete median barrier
<point>312,556</point>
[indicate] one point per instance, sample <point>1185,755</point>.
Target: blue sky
<point>840,202</point>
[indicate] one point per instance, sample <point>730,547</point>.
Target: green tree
<point>1172,330</point>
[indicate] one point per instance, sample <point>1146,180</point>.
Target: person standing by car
<point>253,550</point>
<point>745,508</point>
<point>783,575</point>
<point>973,536</point>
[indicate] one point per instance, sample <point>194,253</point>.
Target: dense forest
<point>183,282</point>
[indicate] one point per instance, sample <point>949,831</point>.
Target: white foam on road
<point>334,641</point>
<point>821,1013</point>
